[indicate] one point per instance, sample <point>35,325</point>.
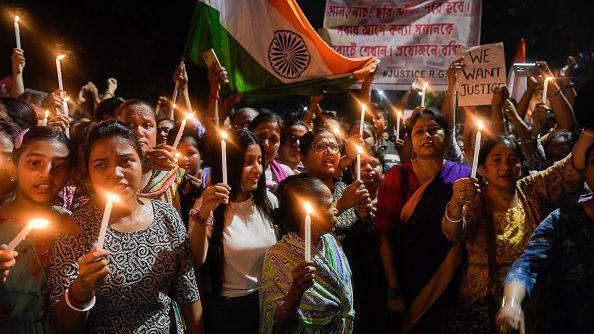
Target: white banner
<point>411,38</point>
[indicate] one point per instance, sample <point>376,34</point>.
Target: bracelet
<point>195,215</point>
<point>450,219</point>
<point>84,308</point>
<point>512,302</point>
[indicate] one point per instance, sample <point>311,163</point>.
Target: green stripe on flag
<point>245,74</point>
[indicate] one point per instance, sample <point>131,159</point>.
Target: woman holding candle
<point>162,176</point>
<point>413,250</point>
<point>129,285</point>
<point>321,154</point>
<point>40,166</point>
<point>299,296</point>
<point>230,230</point>
<point>496,218</point>
<point>268,127</point>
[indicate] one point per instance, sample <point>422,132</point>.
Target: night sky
<point>140,42</point>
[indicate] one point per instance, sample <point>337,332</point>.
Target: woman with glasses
<point>320,154</point>
<point>419,261</point>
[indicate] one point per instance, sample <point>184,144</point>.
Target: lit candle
<point>61,86</point>
<point>59,70</point>
<point>181,129</point>
<point>177,155</point>
<point>398,116</point>
<point>423,92</point>
<point>110,199</point>
<point>545,89</point>
<point>477,147</point>
<point>224,155</point>
<point>336,132</point>
<point>17,32</point>
<point>362,122</point>
<point>33,224</point>
<point>45,117</point>
<point>380,93</point>
<point>308,211</point>
<point>359,151</point>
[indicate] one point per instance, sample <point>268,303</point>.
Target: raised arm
<point>500,94</point>
<point>461,217</point>
<point>200,224</point>
<point>18,66</point>
<point>449,103</point>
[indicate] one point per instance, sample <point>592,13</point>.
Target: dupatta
<point>163,186</point>
<point>326,307</point>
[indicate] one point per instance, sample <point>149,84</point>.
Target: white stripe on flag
<point>253,24</point>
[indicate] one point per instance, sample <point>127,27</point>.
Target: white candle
<point>17,32</point>
<point>34,223</point>
<point>398,125</point>
<point>181,129</point>
<point>362,122</point>
<point>110,199</point>
<point>308,211</point>
<point>61,87</point>
<point>173,99</point>
<point>477,147</point>
<point>545,89</point>
<point>59,71</point>
<point>224,155</point>
<point>423,92</point>
<point>45,117</point>
<point>359,151</point>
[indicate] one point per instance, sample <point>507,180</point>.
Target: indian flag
<point>270,49</point>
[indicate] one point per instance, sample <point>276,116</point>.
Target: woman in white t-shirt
<point>230,231</point>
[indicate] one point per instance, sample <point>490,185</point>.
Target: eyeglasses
<point>330,147</point>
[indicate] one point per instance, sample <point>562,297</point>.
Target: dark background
<point>140,42</point>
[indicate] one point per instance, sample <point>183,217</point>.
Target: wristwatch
<point>393,293</point>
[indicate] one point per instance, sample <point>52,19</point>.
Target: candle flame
<point>223,135</point>
<point>359,149</point>
<point>174,105</point>
<point>425,85</point>
<point>479,125</point>
<point>112,197</point>
<point>308,208</point>
<point>46,113</point>
<point>190,116</point>
<point>38,223</point>
<point>380,92</point>
<point>17,19</point>
<point>177,155</point>
<point>335,130</point>
<point>60,57</point>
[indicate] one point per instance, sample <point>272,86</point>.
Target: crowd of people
<point>203,240</point>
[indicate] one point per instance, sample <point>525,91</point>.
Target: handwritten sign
<point>484,69</point>
<point>412,39</point>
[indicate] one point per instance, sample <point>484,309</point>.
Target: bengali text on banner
<point>411,38</point>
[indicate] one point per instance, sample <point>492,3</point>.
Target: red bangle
<point>195,215</point>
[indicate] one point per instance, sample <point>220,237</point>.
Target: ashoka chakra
<point>288,54</point>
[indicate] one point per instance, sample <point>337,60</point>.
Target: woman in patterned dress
<point>40,166</point>
<point>299,296</point>
<point>129,285</point>
<point>496,220</point>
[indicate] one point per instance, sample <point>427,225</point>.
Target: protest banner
<point>416,39</point>
<point>484,69</point>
